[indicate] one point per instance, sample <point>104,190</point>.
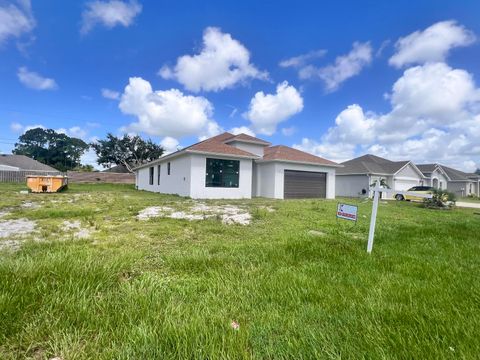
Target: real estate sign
<point>347,212</point>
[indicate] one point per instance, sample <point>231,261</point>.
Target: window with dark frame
<point>151,175</point>
<point>222,173</point>
<point>158,174</point>
<point>168,168</point>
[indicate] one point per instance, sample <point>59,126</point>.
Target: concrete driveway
<point>468,204</point>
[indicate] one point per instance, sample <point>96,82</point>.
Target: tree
<point>129,151</point>
<point>477,172</point>
<point>49,147</point>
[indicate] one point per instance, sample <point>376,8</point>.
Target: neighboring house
<point>456,181</point>
<point>356,176</point>
<point>23,163</point>
<point>239,166</point>
<point>118,169</point>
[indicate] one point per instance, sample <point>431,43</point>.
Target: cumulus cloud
<point>222,63</point>
<point>15,20</point>
<point>338,152</point>
<point>170,144</point>
<point>74,131</point>
<point>431,45</point>
<point>241,130</point>
<point>110,94</point>
<point>434,117</point>
<point>34,80</point>
<point>266,111</point>
<point>344,67</point>
<point>166,112</point>
<point>109,14</point>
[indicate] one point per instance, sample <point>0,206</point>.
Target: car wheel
<point>399,197</point>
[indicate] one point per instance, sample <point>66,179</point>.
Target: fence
<point>7,176</point>
<point>73,176</point>
<point>100,177</point>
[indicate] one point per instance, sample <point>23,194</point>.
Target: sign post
<point>373,219</point>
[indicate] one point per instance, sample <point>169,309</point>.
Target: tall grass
<point>169,289</point>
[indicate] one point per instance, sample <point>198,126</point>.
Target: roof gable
<point>248,139</point>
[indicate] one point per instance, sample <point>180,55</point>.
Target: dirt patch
<point>199,211</point>
<point>30,205</point>
<point>4,212</point>
<point>11,245</point>
<point>10,228</point>
<point>76,226</point>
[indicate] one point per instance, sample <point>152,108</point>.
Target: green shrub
<point>441,199</point>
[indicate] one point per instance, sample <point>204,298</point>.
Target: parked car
<point>415,189</point>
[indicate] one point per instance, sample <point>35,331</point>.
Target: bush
<point>441,199</point>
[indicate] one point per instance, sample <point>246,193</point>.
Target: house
<point>118,169</point>
<point>10,162</point>
<point>456,181</point>
<point>239,166</point>
<point>357,175</point>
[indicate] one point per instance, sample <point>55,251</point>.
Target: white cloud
<point>19,128</point>
<point>301,60</point>
<point>222,63</point>
<point>34,80</point>
<point>345,67</point>
<point>289,131</point>
<point>166,112</point>
<point>110,94</point>
<point>241,130</point>
<point>266,111</point>
<point>434,117</point>
<point>74,131</point>
<point>16,127</point>
<point>89,157</point>
<point>338,152</point>
<point>352,125</point>
<point>170,144</point>
<point>15,21</point>
<point>109,14</point>
<point>432,44</point>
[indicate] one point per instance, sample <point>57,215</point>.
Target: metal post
<point>373,219</point>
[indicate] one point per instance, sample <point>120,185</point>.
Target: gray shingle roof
<point>427,169</point>
<point>453,174</point>
<point>371,164</point>
<point>24,163</point>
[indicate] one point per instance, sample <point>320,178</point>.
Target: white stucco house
<point>239,166</point>
<point>356,176</point>
<point>456,181</point>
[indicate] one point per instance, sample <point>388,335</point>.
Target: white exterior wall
<point>265,182</point>
<point>436,174</point>
<point>178,182</point>
<point>351,185</point>
<point>251,148</point>
<point>408,172</point>
<point>272,178</point>
<point>200,191</point>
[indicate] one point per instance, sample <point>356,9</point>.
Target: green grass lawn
<point>169,289</point>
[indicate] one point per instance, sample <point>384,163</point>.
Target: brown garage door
<point>304,184</point>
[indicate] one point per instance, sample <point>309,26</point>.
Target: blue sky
<point>338,79</point>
